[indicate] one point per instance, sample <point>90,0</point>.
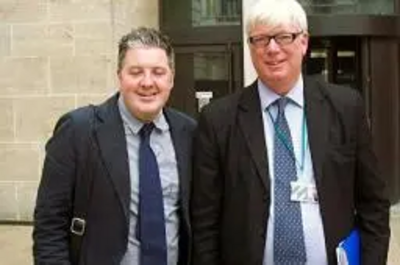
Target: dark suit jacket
<point>231,189</point>
<point>106,236</point>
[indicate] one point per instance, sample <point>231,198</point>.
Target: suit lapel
<point>182,145</point>
<point>110,137</point>
<point>317,124</point>
<point>251,124</point>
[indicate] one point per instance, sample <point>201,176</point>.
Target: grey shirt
<point>161,143</point>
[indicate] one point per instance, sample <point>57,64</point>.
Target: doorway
<point>205,73</point>
<point>336,59</point>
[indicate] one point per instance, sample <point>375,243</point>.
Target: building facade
<point>60,54</point>
<point>54,56</point>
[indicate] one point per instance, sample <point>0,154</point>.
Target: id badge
<point>303,192</point>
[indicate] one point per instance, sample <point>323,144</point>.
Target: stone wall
<point>55,55</point>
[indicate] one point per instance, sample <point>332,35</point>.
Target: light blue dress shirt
<point>312,222</point>
<point>161,143</point>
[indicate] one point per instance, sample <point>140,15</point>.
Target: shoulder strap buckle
<point>78,226</point>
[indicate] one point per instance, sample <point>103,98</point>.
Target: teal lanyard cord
<point>283,139</point>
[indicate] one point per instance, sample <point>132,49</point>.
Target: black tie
<point>151,221</point>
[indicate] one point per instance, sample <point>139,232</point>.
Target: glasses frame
<point>281,39</point>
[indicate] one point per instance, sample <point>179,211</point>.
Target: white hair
<point>275,13</point>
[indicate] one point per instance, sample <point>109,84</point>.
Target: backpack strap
<point>84,179</point>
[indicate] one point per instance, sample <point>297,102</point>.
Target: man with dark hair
<point>130,158</point>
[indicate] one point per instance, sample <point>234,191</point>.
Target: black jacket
<point>106,236</point>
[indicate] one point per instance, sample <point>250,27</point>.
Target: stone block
<point>394,250</point>
<point>80,74</point>
<point>23,75</point>
<point>83,10</point>
<point>8,201</point>
<point>122,12</point>
<point>36,116</point>
<point>19,162</point>
<point>43,40</point>
<point>135,13</point>
<point>26,194</point>
<point>16,245</point>
<point>145,13</point>
<point>6,120</point>
<point>120,28</point>
<point>114,83</point>
<point>395,211</point>
<point>94,38</point>
<point>5,40</point>
<point>84,100</point>
<point>23,11</point>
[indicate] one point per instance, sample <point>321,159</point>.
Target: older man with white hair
<point>284,169</point>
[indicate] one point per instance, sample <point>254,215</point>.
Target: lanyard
<point>284,140</point>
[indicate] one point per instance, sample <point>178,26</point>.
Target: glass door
<point>204,73</point>
<point>200,13</point>
<point>337,60</point>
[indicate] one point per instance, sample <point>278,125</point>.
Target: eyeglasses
<point>281,39</point>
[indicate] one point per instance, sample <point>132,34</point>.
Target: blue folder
<point>348,251</point>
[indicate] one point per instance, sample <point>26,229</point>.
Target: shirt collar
<point>135,124</point>
<point>268,96</point>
